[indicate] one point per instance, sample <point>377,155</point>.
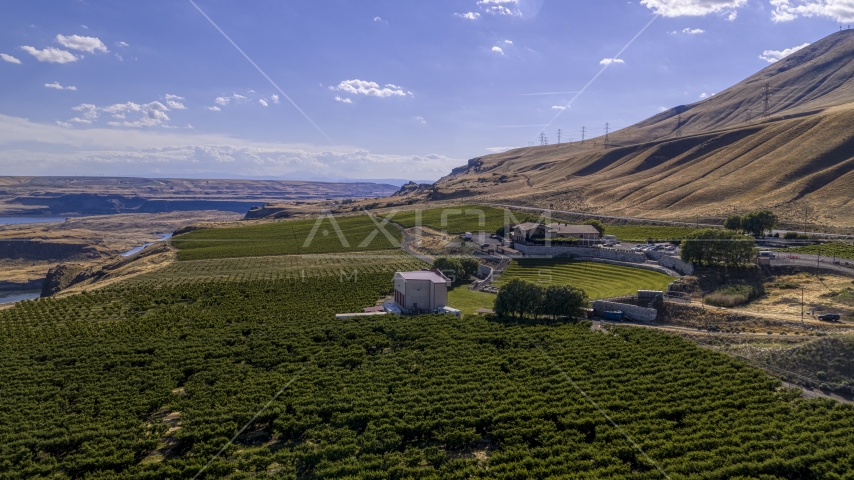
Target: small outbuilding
<point>421,291</point>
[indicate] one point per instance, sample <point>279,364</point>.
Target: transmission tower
<point>583,132</point>
<point>543,140</point>
<point>607,131</point>
<point>766,100</point>
<point>558,136</point>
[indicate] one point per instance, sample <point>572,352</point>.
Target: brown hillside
<point>716,163</point>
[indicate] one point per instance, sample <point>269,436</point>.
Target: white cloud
<point>84,44</point>
<point>275,98</point>
<point>371,89</point>
<point>172,97</point>
<point>119,115</point>
<point>500,7</point>
<point>263,102</point>
<point>238,97</point>
<point>772,56</point>
<point>184,151</point>
<point>57,86</point>
<point>508,42</point>
<point>89,111</point>
<point>222,100</point>
<point>342,99</point>
<point>50,55</point>
<point>559,107</point>
<point>662,109</point>
<point>609,61</point>
<point>175,105</point>
<point>84,27</point>
<point>122,44</point>
<point>499,149</point>
<point>64,124</point>
<point>679,8</point>
<point>9,58</point>
<point>121,108</point>
<point>498,50</point>
<point>80,120</point>
<point>704,95</point>
<point>788,10</point>
<point>420,120</point>
<point>693,31</point>
<point>214,108</point>
<point>468,15</point>
<point>732,16</point>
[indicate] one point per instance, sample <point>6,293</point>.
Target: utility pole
<point>802,308</point>
<point>817,261</point>
<point>766,100</point>
<point>607,131</point>
<point>558,136</point>
<point>583,132</point>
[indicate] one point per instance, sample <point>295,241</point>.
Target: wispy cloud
<point>263,102</point>
<point>122,44</point>
<point>559,107</point>
<point>50,54</point>
<point>689,31</point>
<point>275,98</point>
<point>468,15</point>
<point>371,89</point>
<point>788,10</point>
<point>9,58</point>
<point>692,8</point>
<point>84,44</point>
<point>500,7</point>
<point>772,56</point>
<point>57,86</point>
<point>498,50</point>
<point>420,120</point>
<point>214,108</point>
<point>341,99</point>
<point>610,61</point>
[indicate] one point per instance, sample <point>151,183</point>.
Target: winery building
<point>421,291</point>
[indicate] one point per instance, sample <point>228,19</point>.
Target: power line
<point>766,100</point>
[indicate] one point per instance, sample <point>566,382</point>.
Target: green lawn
<point>642,233</point>
<point>330,235</point>
<point>461,219</point>
<point>468,301</point>
<point>599,280</point>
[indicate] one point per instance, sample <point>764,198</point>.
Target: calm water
<point>133,251</point>
<point>20,220</point>
<point>12,297</point>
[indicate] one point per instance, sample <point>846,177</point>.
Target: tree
<point>599,226</point>
<point>471,266</point>
<point>563,300</point>
<point>507,302</point>
<point>504,231</point>
<point>452,268</point>
<point>733,222</point>
<point>711,246</point>
<point>757,223</point>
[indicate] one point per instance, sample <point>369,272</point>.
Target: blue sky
<point>389,89</point>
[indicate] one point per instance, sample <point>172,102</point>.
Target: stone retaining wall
<point>631,312</point>
<point>608,254</point>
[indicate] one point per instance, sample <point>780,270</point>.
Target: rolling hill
<point>708,159</point>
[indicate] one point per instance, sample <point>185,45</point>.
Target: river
<point>20,295</point>
<point>133,251</point>
<point>25,220</point>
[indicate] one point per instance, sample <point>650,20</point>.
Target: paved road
<point>408,240</point>
<point>636,219</point>
<point>811,261</point>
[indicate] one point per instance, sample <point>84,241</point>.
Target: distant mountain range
<point>781,139</point>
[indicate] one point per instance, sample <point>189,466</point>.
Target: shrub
<point>733,295</point>
<point>821,376</point>
<point>791,235</point>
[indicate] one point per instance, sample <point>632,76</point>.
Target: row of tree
<point>458,269</point>
<point>521,298</point>
<point>718,247</point>
<point>754,223</point>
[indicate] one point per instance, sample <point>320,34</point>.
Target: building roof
<point>527,226</point>
<point>429,275</point>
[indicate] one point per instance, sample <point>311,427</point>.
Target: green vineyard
<point>599,280</point>
<point>830,250</point>
<point>137,382</point>
<point>323,235</point>
<point>460,219</point>
<point>644,233</point>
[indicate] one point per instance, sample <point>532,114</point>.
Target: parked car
<point>484,245</point>
<point>829,317</point>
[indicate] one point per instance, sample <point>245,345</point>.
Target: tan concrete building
<point>421,291</point>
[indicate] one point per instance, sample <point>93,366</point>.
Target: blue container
<point>614,316</point>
